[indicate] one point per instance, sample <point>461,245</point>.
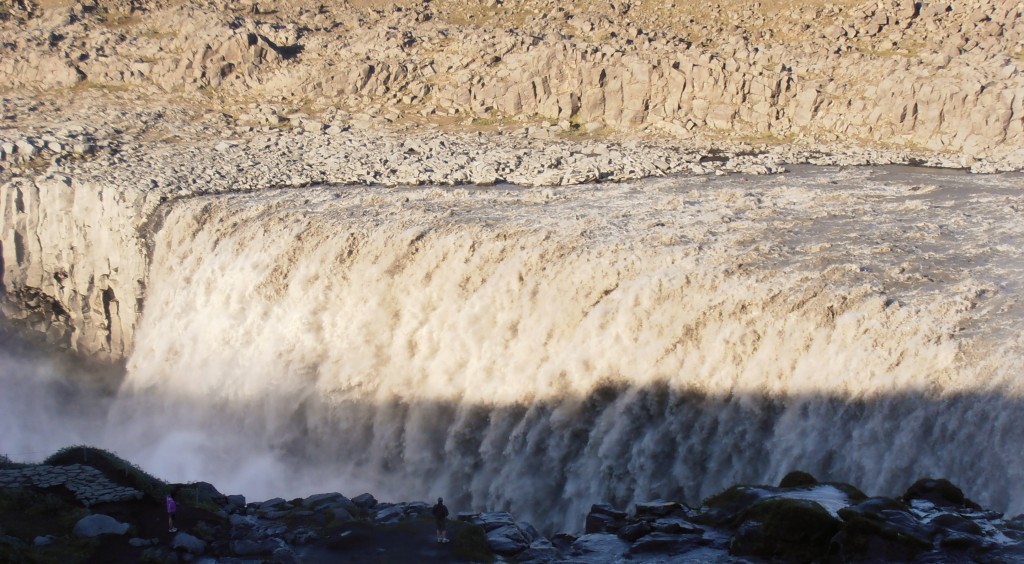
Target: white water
<point>542,350</point>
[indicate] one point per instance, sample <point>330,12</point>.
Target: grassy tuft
<point>470,543</point>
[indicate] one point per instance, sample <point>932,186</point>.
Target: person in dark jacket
<point>441,516</point>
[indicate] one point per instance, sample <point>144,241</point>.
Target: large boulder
<point>881,529</point>
<point>603,518</point>
<point>188,543</point>
<point>785,528</point>
<point>796,479</point>
<point>507,540</point>
<point>598,548</point>
<point>96,525</point>
<point>940,492</point>
<point>665,545</point>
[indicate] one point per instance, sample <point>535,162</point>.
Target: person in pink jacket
<point>172,508</point>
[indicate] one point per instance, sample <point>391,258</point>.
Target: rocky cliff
<point>112,108</point>
<point>944,76</point>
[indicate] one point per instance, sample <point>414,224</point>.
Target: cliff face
<point>292,93</point>
<point>938,75</point>
<point>72,256</point>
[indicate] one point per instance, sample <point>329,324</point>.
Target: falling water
<point>542,350</point>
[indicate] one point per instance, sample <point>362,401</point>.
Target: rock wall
<point>73,264</point>
<point>944,76</point>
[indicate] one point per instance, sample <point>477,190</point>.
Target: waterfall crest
<point>542,350</point>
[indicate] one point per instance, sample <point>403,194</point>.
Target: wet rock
<point>188,543</point>
<point>365,501</point>
<point>797,479</point>
<point>791,529</point>
<point>941,492</point>
<point>881,528</point>
<point>599,548</point>
<point>95,525</point>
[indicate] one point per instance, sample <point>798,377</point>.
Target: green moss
<point>470,543</point>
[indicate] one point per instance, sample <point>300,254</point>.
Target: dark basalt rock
<point>603,518</point>
<point>666,544</point>
<point>796,479</point>
<point>721,509</point>
<point>883,529</point>
<point>633,531</point>
<point>656,509</point>
<point>785,529</point>
<point>940,492</point>
<point>365,501</point>
<point>800,521</point>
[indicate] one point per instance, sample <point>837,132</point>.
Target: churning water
<point>541,350</point>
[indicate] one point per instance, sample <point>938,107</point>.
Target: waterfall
<point>541,350</point>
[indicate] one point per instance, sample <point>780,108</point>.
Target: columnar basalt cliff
<point>944,76</point>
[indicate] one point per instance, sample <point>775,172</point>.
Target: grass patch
<point>27,514</point>
<point>115,468</point>
<point>470,543</point>
<point>8,464</point>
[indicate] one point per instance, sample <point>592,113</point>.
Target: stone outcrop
<point>941,76</point>
<point>801,520</point>
<point>87,484</point>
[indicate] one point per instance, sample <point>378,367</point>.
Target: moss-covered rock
<point>722,508</point>
<point>778,528</point>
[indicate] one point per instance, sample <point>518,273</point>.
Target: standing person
<point>172,508</point>
<point>441,516</point>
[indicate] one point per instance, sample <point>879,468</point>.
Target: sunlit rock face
<point>537,350</point>
<point>74,262</point>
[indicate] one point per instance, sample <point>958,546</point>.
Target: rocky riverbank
<point>87,505</point>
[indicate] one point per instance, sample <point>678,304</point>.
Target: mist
<point>542,350</point>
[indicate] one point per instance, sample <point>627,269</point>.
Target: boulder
<point>657,508</point>
<point>603,518</point>
<point>675,525</point>
<point>96,525</point>
<point>507,540</point>
<point>493,520</point>
<point>365,501</point>
<point>796,479</point>
<point>941,492</point>
<point>599,548</point>
<point>633,531</point>
<point>881,529</point>
<point>188,543</point>
<point>537,555</point>
<point>786,528</point>
<point>246,547</point>
<point>665,544</point>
